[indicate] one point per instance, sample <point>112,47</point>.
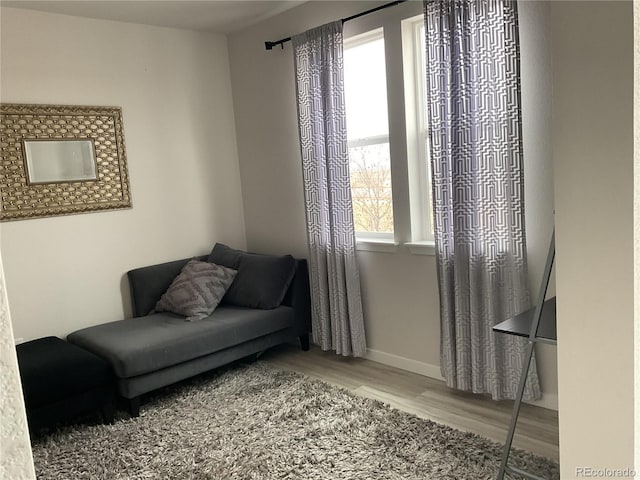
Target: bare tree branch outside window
<point>371,186</point>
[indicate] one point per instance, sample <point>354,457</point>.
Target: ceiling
<point>204,15</point>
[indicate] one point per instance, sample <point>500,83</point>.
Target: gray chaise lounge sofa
<point>158,349</point>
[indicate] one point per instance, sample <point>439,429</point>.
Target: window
<point>385,92</point>
<point>419,166</point>
<point>368,135</point>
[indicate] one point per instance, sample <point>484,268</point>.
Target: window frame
<point>352,42</point>
<point>420,184</point>
<point>412,201</point>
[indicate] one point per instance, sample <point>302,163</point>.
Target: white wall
<point>593,161</point>
<point>399,289</point>
<point>16,460</point>
<point>174,88</point>
<point>636,223</point>
<point>535,52</point>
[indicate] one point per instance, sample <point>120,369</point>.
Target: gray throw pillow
<point>262,280</point>
<point>197,290</point>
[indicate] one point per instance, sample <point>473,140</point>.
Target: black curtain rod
<point>269,45</point>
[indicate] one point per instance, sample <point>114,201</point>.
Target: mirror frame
<point>21,199</point>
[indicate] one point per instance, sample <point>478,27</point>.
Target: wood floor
<point>425,397</point>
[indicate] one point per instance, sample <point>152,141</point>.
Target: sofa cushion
<point>197,290</point>
<point>147,344</point>
<point>262,280</point>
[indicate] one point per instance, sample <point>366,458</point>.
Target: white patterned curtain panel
<point>473,92</point>
<point>337,320</point>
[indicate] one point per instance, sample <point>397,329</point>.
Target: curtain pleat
<point>337,319</point>
<point>473,96</point>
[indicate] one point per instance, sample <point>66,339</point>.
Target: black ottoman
<point>61,381</point>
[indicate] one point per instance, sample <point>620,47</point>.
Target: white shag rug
<point>257,422</point>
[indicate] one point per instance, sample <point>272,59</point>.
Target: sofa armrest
<point>147,284</point>
<point>299,297</point>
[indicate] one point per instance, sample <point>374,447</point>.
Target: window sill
<point>382,245</point>
<point>426,247</point>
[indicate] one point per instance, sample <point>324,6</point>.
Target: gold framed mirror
<point>61,160</point>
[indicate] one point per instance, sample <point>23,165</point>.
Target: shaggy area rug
<point>258,422</point>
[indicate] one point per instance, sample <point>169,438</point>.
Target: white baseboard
<point>548,400</point>
<point>422,368</point>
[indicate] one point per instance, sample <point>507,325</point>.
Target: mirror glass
<point>53,161</point>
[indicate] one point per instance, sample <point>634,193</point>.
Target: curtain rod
<point>269,45</point>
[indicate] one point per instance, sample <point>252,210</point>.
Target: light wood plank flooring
<point>425,397</point>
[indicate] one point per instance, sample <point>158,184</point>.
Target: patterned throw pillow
<point>197,290</point>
